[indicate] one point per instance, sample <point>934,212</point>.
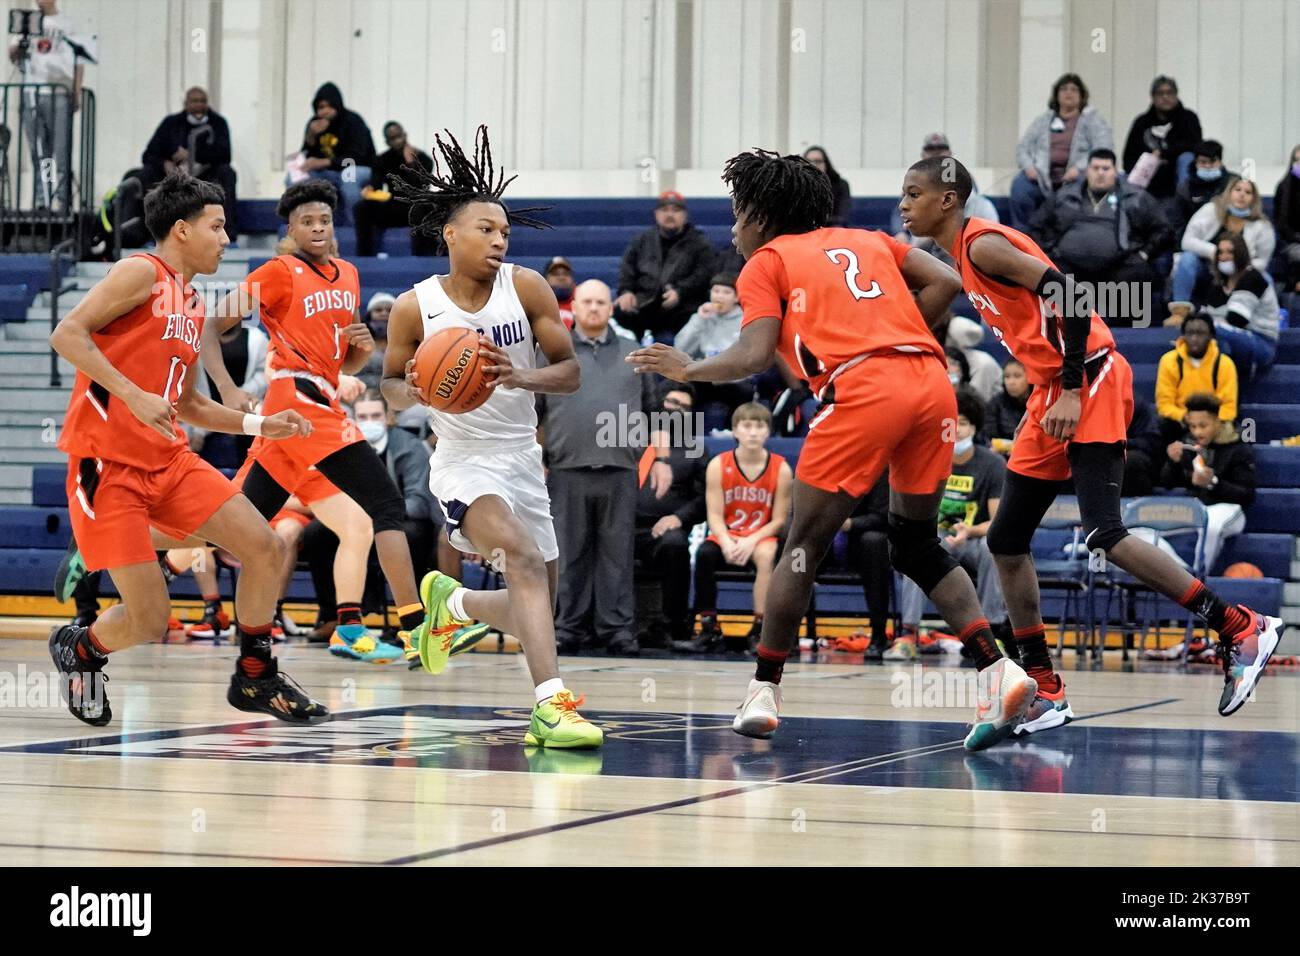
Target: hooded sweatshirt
<point>347,136</point>
<point>1233,462</point>
<point>1180,375</point>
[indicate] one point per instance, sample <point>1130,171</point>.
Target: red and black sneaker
<point>276,694</point>
<point>82,678</point>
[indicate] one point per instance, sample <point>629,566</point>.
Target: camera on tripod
<point>25,24</point>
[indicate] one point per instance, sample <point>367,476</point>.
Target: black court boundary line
<point>808,776</point>
<point>804,776</point>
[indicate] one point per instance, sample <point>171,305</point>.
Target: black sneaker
<point>276,694</point>
<point>83,680</point>
<point>710,640</point>
<point>875,651</point>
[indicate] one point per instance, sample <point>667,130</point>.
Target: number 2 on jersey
<point>851,273</point>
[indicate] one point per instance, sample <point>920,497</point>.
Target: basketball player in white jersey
<point>486,471</point>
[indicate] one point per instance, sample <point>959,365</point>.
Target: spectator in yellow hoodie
<point>1195,364</point>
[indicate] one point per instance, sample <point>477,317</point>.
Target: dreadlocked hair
<point>435,198</point>
<point>781,194</point>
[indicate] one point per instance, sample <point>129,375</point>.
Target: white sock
<point>456,603</point>
<point>549,688</point>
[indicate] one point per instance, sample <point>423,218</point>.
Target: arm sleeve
<point>762,286</point>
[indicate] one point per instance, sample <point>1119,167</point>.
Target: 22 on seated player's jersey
<point>1025,323</point>
<point>509,416</point>
<point>305,308</point>
<point>155,345</point>
<point>839,294</point>
<point>747,503</point>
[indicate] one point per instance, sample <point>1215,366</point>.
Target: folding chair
<point>1071,574</point>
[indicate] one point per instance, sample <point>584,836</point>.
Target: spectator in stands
<point>1235,211</point>
<point>196,140</point>
<point>1286,216</point>
<point>665,272</point>
<point>966,510</point>
<point>839,186</point>
<point>244,349</point>
<point>1101,229</point>
<point>337,146</point>
<point>978,206</point>
<point>592,478</point>
<point>715,326</point>
<point>376,211</point>
<point>1169,131</point>
<point>958,367</point>
<point>1243,305</point>
<point>1143,450</point>
<point>966,335</point>
<point>1212,463</point>
<point>747,495</point>
<point>664,518</point>
<point>868,554</point>
<point>1208,178</point>
<point>1194,365</point>
<point>1006,409</point>
<point>559,273</point>
<point>1054,149</point>
<point>377,310</point>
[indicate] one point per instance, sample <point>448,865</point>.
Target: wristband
<point>253,424</point>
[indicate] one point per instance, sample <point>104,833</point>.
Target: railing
<point>47,164</point>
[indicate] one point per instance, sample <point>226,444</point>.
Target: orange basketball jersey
<point>747,504</point>
<point>840,295</point>
<point>155,345</point>
<point>305,308</point>
<point>1026,324</point>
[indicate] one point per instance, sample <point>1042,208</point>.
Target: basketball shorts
<point>288,459</point>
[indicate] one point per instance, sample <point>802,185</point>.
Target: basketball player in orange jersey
<point>747,494</point>
<point>134,340</point>
<point>308,303</point>
<point>837,306</point>
<point>1076,423</point>
<point>486,471</point>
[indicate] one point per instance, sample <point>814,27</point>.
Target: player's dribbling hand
<point>663,359</point>
<point>499,366</point>
<point>1062,419</point>
<point>359,337</point>
<point>285,424</point>
<point>413,384</point>
<point>156,412</point>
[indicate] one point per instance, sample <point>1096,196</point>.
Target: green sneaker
<point>462,639</point>
<point>433,638</point>
<point>557,723</point>
<point>71,570</point>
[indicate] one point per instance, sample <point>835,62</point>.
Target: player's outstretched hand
<point>663,359</point>
<point>1062,419</point>
<point>156,412</point>
<point>359,337</point>
<point>285,424</point>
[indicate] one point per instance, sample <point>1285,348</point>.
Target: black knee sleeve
<point>360,474</point>
<point>1024,502</point>
<point>915,551</point>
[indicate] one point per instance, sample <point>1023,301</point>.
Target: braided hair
<point>435,198</point>
<point>781,194</point>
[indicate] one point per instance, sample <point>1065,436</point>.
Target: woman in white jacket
<point>1235,211</point>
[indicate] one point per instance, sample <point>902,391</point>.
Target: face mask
<point>963,445</point>
<point>196,120</point>
<point>1228,268</point>
<point>1209,175</point>
<point>562,292</point>
<point>1239,212</point>
<point>379,330</point>
<point>373,431</point>
<point>954,378</point>
<point>1295,170</point>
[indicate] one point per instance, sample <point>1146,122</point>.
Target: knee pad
<point>388,513</point>
<point>1105,536</point>
<point>915,551</point>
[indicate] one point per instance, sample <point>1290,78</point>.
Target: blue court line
<point>806,776</point>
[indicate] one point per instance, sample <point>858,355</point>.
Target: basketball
<point>449,371</point>
<point>1242,569</point>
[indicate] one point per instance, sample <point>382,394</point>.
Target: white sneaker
<point>758,715</point>
<point>1006,693</point>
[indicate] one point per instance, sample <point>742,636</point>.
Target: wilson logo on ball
<point>452,375</point>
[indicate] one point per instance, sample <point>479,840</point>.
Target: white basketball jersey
<point>509,417</point>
